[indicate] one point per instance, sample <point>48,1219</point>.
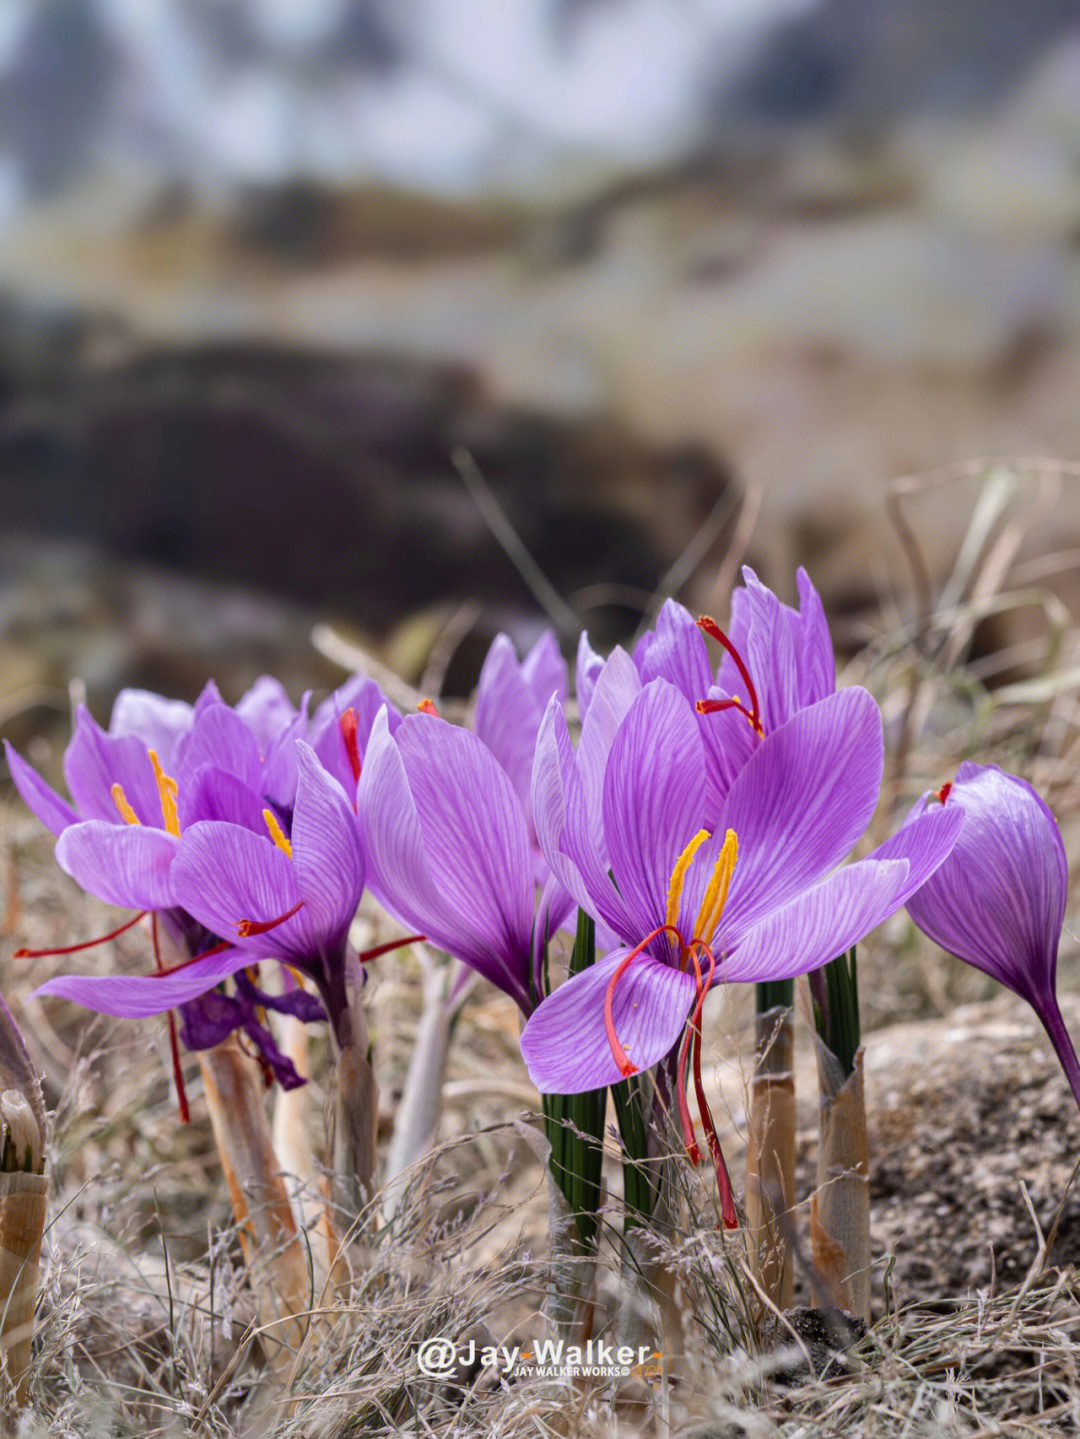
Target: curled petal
<point>158,722</point>
<point>565,1043</point>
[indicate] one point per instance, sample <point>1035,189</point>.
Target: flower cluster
<point>702,821</point>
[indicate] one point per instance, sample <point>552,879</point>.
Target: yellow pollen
<point>167,789</point>
<point>120,800</point>
<point>712,906</point>
<point>277,834</point>
<point>678,876</point>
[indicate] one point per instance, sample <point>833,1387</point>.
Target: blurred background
<point>308,308</point>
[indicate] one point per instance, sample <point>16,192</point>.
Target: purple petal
<point>213,793</point>
<point>564,828</point>
<point>55,813</point>
<point>123,864</point>
<point>158,722</point>
<point>800,802</point>
<point>565,1043</point>
<point>220,737</point>
<point>475,838</point>
<point>617,686</point>
<point>544,670</point>
<point>266,710</point>
<point>998,901</point>
<point>134,996</point>
<point>820,924</point>
<point>95,761</point>
<point>589,665</point>
<point>328,862</point>
<point>223,874</point>
<point>278,781</point>
<point>653,801</point>
<point>507,715</point>
<point>400,876</point>
<point>678,653</point>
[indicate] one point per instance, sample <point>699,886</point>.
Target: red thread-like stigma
<point>174,1042</point>
<point>618,1053</point>
<point>352,748</point>
<point>712,629</point>
<point>944,792</point>
<point>75,948</point>
<point>245,928</point>
<point>427,707</point>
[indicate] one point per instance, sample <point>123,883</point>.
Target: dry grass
<point>145,1319</point>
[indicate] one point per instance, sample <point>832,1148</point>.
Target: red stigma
<point>174,1043</point>
<point>348,734</point>
<point>626,1065</point>
<point>943,793</point>
<point>75,948</point>
<point>712,629</point>
<point>427,707</point>
<point>367,954</point>
<point>245,928</point>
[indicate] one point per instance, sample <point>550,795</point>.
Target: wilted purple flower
<point>998,901</point>
<point>751,894</point>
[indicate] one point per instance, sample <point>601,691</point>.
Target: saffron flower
<point>998,901</point>
<point>751,894</point>
<point>290,898</point>
<point>447,846</point>
<point>119,839</point>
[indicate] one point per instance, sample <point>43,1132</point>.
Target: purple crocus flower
<point>121,835</point>
<point>447,845</point>
<point>998,901</point>
<point>751,894</point>
<point>277,897</point>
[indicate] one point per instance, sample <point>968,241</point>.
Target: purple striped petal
<point>564,828</point>
<point>266,710</point>
<point>55,813</point>
<point>213,793</point>
<point>401,878</point>
<point>223,874</point>
<point>544,670</point>
<point>123,864</point>
<point>998,901</point>
<point>653,803</point>
<point>475,838</point>
<point>94,761</point>
<point>328,862</point>
<point>220,737</point>
<point>507,715</point>
<point>135,996</point>
<point>158,722</point>
<point>820,924</point>
<point>617,687</point>
<point>587,672</point>
<point>800,802</point>
<point>565,1043</point>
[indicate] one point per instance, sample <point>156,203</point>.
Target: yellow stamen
<point>712,906</point>
<point>678,876</point>
<point>120,800</point>
<point>167,790</point>
<point>277,834</point>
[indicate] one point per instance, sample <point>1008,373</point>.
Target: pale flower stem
<point>1054,1024</point>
